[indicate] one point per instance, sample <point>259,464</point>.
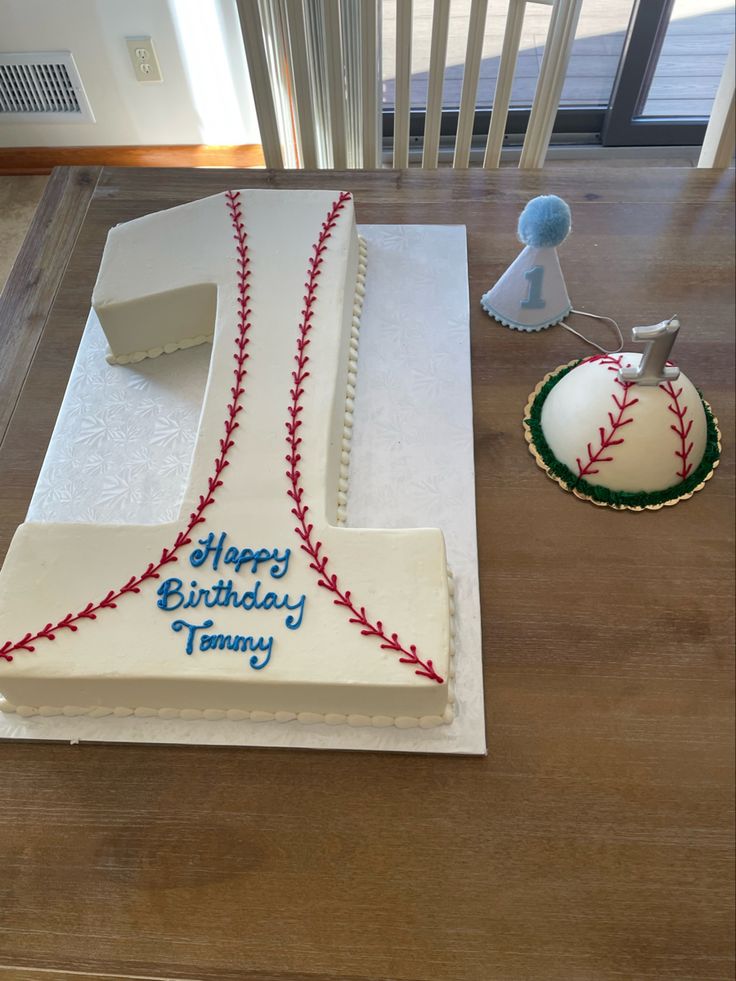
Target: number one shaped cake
<point>257,602</point>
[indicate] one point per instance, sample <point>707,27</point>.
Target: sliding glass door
<point>672,63</point>
<point>642,72</point>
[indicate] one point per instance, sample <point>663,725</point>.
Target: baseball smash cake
<point>258,602</point>
<point>622,436</point>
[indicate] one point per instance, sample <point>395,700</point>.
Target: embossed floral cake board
<point>122,445</point>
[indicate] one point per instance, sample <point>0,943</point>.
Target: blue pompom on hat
<point>546,221</point>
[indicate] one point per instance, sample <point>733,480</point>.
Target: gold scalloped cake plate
<point>543,465</point>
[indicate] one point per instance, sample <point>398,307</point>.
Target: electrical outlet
<point>143,58</point>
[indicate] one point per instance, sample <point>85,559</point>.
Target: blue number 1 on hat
<point>534,300</point>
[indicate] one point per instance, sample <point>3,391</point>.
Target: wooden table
<point>596,839</point>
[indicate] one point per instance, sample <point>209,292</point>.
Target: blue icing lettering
<point>264,644</point>
<point>168,588</point>
<point>291,622</point>
<point>222,594</point>
<point>212,550</point>
<point>179,625</point>
<point>200,555</point>
<point>223,642</point>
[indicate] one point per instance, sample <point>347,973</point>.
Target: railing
<point>315,67</point>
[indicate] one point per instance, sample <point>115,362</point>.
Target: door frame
<point>623,124</point>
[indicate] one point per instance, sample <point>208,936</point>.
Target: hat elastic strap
<point>596,316</point>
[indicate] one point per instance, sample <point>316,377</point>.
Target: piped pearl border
<point>347,431</point>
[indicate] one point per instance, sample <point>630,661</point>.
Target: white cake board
<point>122,445</point>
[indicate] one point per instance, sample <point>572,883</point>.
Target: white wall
<point>205,96</point>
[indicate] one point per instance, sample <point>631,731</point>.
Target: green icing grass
<point>631,499</point>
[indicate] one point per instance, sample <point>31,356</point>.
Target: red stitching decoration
<point>617,422</point>
<point>234,408</point>
<point>682,430</point>
<point>318,562</point>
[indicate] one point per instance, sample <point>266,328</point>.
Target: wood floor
<point>684,84</point>
<point>18,199</point>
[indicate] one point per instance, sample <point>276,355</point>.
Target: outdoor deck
<point>684,84</point>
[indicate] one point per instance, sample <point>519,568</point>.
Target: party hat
<point>531,294</point>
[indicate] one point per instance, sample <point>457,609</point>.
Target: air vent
<point>42,87</point>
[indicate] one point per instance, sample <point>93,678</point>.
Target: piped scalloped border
<point>155,352</point>
<point>602,496</point>
<point>242,715</point>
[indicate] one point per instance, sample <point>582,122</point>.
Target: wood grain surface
<point>595,841</point>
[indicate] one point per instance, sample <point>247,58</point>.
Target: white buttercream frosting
<point>637,438</point>
<point>241,715</point>
<point>129,659</point>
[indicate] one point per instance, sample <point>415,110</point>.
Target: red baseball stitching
<point>681,430</point>
<point>296,492</point>
<point>616,422</point>
<point>226,443</point>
